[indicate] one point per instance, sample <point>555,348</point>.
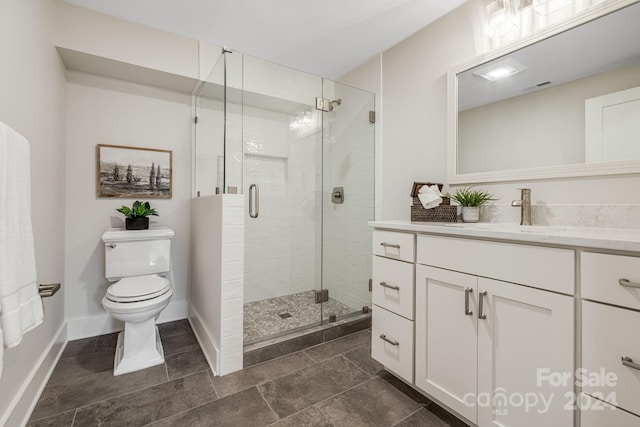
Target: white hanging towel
<point>20,304</point>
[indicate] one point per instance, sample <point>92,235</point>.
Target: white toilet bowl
<point>137,301</point>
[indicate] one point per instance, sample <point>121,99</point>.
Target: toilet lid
<point>138,288</point>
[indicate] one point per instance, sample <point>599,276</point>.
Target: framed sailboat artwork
<point>133,172</point>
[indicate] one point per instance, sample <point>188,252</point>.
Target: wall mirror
<point>563,103</point>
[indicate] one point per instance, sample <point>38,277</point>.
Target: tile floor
<point>262,319</point>
<point>332,384</point>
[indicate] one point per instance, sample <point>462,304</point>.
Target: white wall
<point>102,35</point>
<point>414,130</point>
<point>32,102</point>
<point>103,111</point>
<point>414,106</point>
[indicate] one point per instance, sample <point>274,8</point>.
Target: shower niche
<point>271,144</point>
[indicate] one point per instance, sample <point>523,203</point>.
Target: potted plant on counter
<point>471,200</point>
<point>137,216</point>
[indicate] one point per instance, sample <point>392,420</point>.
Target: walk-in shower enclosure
<point>283,187</point>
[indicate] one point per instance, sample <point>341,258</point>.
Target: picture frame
<point>133,172</point>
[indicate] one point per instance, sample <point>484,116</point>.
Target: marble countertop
<point>616,239</point>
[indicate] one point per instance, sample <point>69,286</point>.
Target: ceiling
<point>327,38</point>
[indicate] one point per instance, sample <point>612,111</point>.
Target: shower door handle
<point>254,202</point>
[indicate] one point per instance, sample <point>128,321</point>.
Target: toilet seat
<point>138,288</point>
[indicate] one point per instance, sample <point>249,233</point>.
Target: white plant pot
<point>470,213</point>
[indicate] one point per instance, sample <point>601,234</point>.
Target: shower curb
<point>291,343</point>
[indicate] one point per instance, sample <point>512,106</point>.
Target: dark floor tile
<point>339,346</point>
<point>361,357</point>
<point>297,391</point>
<point>182,364</point>
<point>64,419</point>
<point>151,404</point>
<point>438,413</point>
<point>72,368</point>
<point>179,343</point>
<point>79,347</point>
<point>107,342</point>
<point>422,418</point>
<point>374,403</point>
<point>258,374</point>
<point>347,328</point>
<point>280,349</point>
<point>174,328</point>
<point>246,408</point>
<point>404,388</point>
<point>94,388</point>
<point>311,417</point>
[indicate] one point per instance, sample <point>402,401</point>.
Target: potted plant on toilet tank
<point>471,200</point>
<point>137,216</point>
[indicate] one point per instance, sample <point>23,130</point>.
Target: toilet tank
<point>137,252</point>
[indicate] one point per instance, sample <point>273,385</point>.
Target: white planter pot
<point>470,213</point>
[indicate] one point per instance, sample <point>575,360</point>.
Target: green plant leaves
<point>467,196</point>
<point>138,209</point>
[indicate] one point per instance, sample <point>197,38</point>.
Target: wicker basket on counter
<point>443,213</point>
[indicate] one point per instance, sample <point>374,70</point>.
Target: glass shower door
<point>348,198</point>
<point>282,164</point>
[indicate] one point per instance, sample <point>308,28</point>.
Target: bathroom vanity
<point>508,325</point>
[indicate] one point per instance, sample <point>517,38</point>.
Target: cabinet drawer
<point>595,413</point>
<point>396,355</point>
<point>608,334</point>
<point>600,278</point>
<point>535,266</point>
<point>394,245</point>
<point>393,286</point>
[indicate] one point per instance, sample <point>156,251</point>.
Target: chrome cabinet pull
<point>394,287</point>
<point>390,245</point>
<point>627,361</point>
<point>384,338</point>
<point>254,202</point>
<point>628,284</point>
<point>467,292</point>
<point>481,315</point>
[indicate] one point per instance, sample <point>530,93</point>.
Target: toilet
<point>138,261</point>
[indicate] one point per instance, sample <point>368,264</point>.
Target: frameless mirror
<point>565,105</point>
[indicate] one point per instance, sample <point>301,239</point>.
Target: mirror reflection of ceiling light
<point>548,7</point>
<point>501,69</point>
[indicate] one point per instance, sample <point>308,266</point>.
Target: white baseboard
<point>103,323</point>
<point>204,337</point>
<point>26,398</point>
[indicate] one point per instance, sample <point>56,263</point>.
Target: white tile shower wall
<point>349,163</point>
<point>280,244</point>
<point>232,284</point>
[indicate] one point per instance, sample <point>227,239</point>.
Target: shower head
<point>334,103</point>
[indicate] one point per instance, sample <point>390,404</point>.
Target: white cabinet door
<point>446,338</point>
<point>525,344</point>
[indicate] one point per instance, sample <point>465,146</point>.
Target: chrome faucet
<point>525,206</point>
